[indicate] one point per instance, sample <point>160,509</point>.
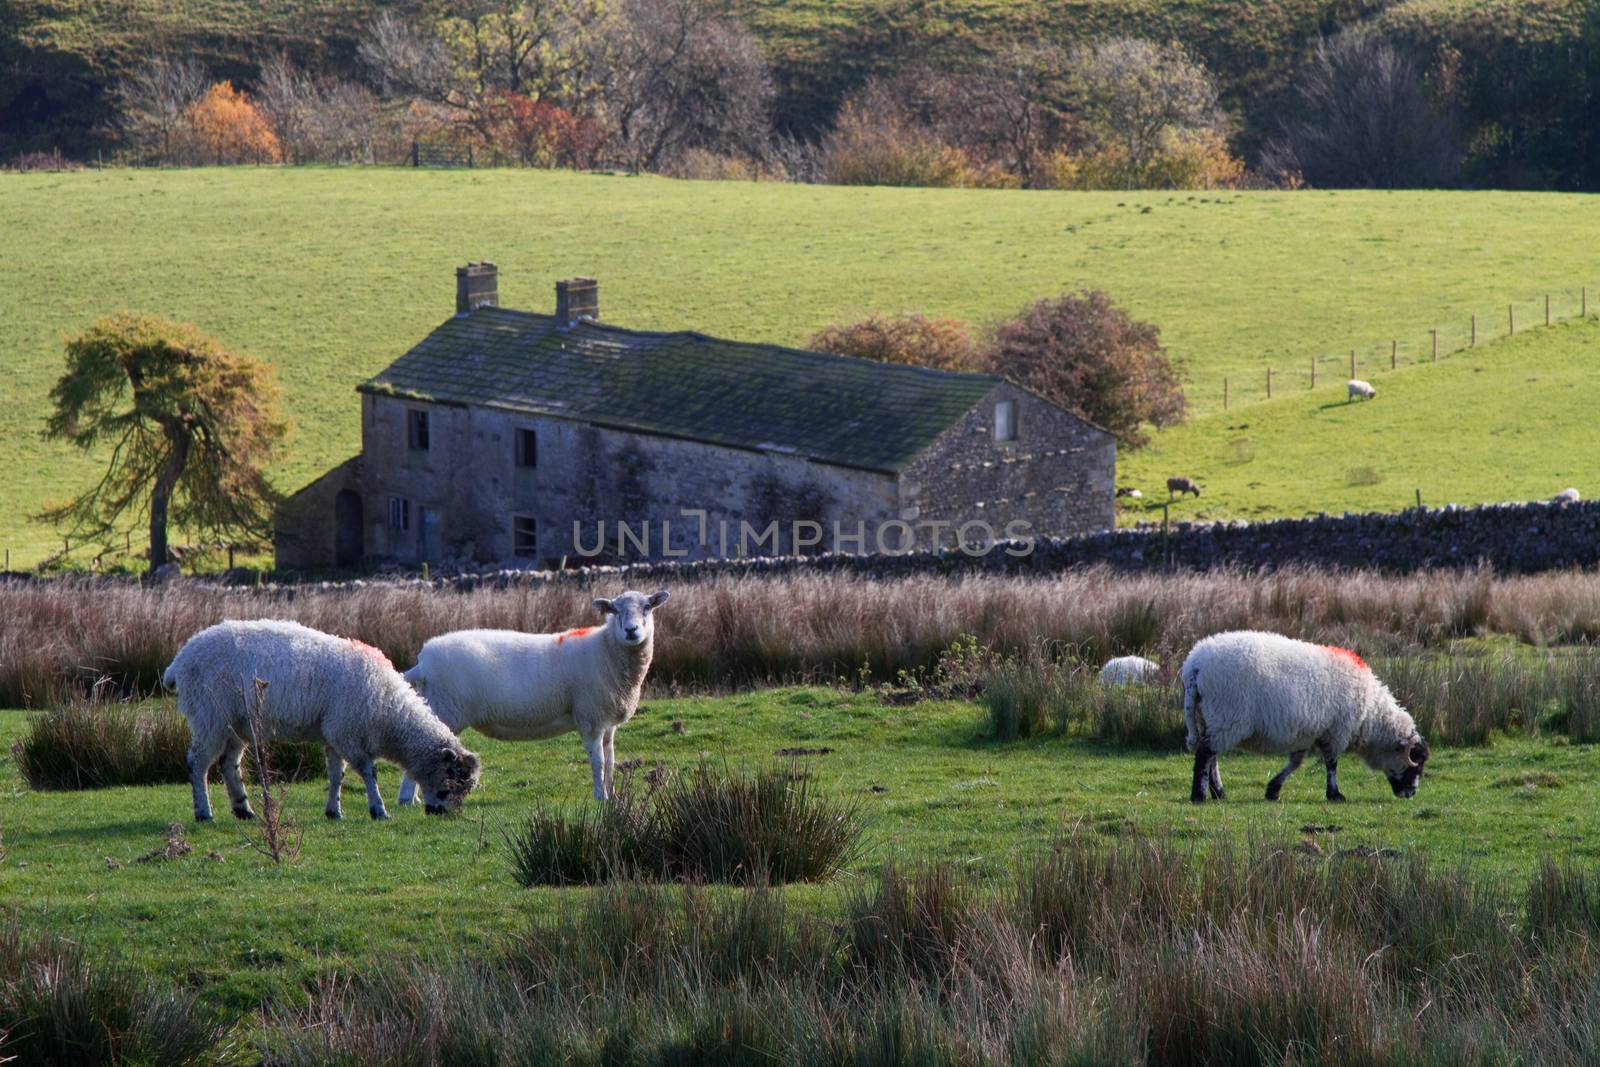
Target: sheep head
<point>630,617</point>
<point>445,784</point>
<point>1402,765</point>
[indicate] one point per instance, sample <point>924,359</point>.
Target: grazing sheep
<point>1268,693</point>
<point>318,688</point>
<point>1130,492</point>
<point>1125,670</point>
<point>1566,496</point>
<point>515,686</point>
<point>1356,387</point>
<point>1181,485</point>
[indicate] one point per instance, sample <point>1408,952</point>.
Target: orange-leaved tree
<point>230,128</point>
<point>190,428</point>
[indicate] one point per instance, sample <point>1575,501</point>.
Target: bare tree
<point>155,99</point>
<point>676,74</point>
<point>1365,121</point>
<point>1134,93</point>
<point>285,93</point>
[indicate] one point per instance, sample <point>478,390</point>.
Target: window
<point>524,536</point>
<point>399,513</point>
<point>417,429</point>
<point>1005,420</point>
<point>527,448</point>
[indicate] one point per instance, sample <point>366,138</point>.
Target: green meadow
<point>928,781</point>
<point>330,274</point>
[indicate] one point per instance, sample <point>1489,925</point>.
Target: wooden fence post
<point>1547,309</point>
<point>1435,334</point>
<point>1269,383</point>
<point>1224,393</point>
<point>1313,372</point>
<point>1585,299</point>
<point>1511,320</point>
<point>1352,363</point>
<point>1472,343</point>
<point>1394,353</point>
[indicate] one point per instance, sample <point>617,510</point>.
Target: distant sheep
<point>318,688</point>
<point>1269,693</point>
<point>1181,485</point>
<point>1566,496</point>
<point>1126,670</point>
<point>515,686</point>
<point>1364,390</point>
<point>1130,492</point>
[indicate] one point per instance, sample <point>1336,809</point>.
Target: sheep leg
<point>1275,786</point>
<point>1203,757</point>
<point>594,745</point>
<point>1214,778</point>
<point>203,753</point>
<point>232,752</point>
<point>369,774</point>
<point>408,789</point>
<point>609,739</point>
<point>1332,762</point>
<point>335,809</point>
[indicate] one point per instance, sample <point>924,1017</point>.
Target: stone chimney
<point>477,284</point>
<point>577,298</point>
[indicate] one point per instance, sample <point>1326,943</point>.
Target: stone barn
<point>525,439</point>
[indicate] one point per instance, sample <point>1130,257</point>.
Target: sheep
<point>1129,669</point>
<point>1356,387</point>
<point>318,688</point>
<point>1269,693</point>
<point>1130,492</point>
<point>1566,496</point>
<point>1181,485</point>
<point>515,686</point>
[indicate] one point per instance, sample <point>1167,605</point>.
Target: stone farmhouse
<point>523,439</point>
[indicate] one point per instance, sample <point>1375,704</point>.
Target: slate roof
<point>832,409</point>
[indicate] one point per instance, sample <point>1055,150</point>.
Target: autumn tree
<point>1083,353</point>
<point>230,128</point>
<point>155,99</point>
<point>944,344</point>
<point>1134,97</point>
<point>189,425</point>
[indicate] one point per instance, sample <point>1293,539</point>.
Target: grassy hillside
<point>331,274</point>
<point>363,891</point>
<point>1510,420</point>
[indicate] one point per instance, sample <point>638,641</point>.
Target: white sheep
<point>514,686</point>
<point>318,688</point>
<point>1125,670</point>
<point>1357,387</point>
<point>1179,485</point>
<point>1269,693</point>
<point>1566,496</point>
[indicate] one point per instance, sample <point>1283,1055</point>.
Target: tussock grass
<point>92,741</point>
<point>709,825</point>
<point>728,632</point>
<point>59,1006</point>
<point>1093,952</point>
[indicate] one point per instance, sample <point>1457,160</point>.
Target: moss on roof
<point>832,409</point>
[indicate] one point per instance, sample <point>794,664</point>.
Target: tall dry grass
<point>724,632</point>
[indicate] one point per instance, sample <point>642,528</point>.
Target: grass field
<point>928,782</point>
<point>1507,420</point>
<point>330,274</point>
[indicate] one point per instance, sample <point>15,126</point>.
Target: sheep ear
<point>447,755</point>
<point>604,606</point>
<point>658,599</point>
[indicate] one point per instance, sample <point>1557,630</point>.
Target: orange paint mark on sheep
<point>363,647</point>
<point>1346,654</point>
<point>578,632</point>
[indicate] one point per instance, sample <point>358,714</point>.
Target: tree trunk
<point>166,482</point>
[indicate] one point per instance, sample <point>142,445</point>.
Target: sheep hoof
<point>1197,798</point>
<point>377,813</point>
<point>1272,792</point>
<point>1336,798</point>
<point>243,814</point>
<point>334,814</point>
<point>202,818</point>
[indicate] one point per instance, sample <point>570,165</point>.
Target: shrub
<point>1083,353</point>
<point>708,825</point>
<point>1189,159</point>
<point>944,344</point>
<point>1138,101</point>
<point>56,1006</point>
<point>875,142</point>
<point>228,127</point>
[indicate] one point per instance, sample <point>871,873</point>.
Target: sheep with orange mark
<point>514,686</point>
<point>1264,692</point>
<point>318,687</point>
